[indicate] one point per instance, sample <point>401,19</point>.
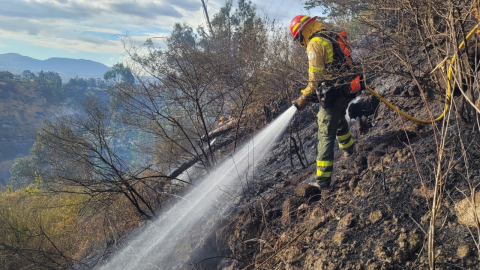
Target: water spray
<point>168,242</point>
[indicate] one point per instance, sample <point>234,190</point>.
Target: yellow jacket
<point>319,52</point>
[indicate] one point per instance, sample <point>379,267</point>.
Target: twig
<point>56,248</point>
<point>298,153</point>
<point>301,144</point>
<point>418,224</point>
<point>383,175</point>
<point>280,250</point>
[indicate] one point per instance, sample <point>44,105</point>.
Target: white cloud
<point>85,9</point>
<point>149,10</point>
<point>98,25</point>
<point>98,29</point>
<point>90,38</point>
<point>47,9</point>
<point>70,44</point>
<point>82,25</point>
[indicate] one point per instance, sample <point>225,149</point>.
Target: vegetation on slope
<point>27,100</point>
<point>247,71</point>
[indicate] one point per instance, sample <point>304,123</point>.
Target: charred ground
<point>375,215</point>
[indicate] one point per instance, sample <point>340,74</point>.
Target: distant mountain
<point>74,67</point>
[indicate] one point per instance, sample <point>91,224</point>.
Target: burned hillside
<point>377,213</point>
<point>403,200</point>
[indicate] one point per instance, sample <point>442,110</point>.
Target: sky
<point>92,29</point>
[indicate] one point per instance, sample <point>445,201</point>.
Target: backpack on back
<point>352,83</point>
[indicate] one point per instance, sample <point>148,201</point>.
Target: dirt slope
<point>376,213</point>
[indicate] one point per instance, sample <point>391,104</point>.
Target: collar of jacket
<point>310,29</point>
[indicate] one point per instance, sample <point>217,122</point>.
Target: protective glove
<point>300,103</point>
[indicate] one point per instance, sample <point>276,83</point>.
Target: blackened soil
<point>376,214</point>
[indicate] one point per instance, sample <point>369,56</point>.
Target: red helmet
<point>299,22</point>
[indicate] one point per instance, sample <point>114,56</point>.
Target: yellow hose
<point>449,75</point>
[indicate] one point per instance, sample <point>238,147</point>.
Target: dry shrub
<point>57,231</point>
<point>417,40</point>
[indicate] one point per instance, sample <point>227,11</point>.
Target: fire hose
<point>447,102</point>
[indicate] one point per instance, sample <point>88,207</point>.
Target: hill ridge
<point>15,61</point>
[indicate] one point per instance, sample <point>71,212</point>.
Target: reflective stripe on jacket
<point>319,53</point>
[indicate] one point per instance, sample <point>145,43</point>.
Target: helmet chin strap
<point>301,39</point>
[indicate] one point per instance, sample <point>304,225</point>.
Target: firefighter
<point>325,65</point>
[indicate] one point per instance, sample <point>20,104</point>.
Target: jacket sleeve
<point>316,53</point>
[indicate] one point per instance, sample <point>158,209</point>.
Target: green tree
<point>22,173</point>
<point>234,28</point>
<point>77,83</point>
<point>121,73</point>
<point>50,85</point>
<point>27,74</point>
<point>221,23</point>
<point>344,14</point>
<point>6,75</point>
<point>339,8</point>
<point>25,170</point>
<point>91,82</point>
<point>181,34</point>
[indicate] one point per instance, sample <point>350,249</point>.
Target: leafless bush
<point>84,159</point>
<point>417,40</point>
<point>421,41</point>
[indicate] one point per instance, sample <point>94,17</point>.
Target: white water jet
<point>167,242</point>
